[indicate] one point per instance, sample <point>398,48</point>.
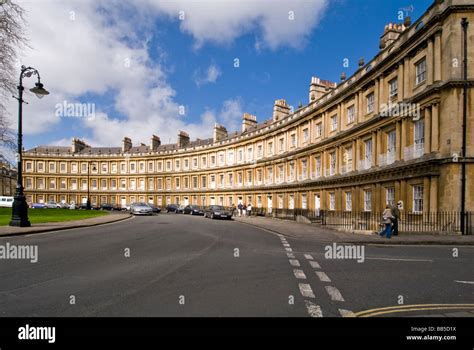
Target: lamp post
<point>20,207</point>
<point>88,205</point>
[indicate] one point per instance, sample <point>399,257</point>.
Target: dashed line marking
<point>334,293</point>
<point>299,274</point>
<point>315,265</point>
<point>286,245</point>
<point>294,262</point>
<point>347,313</point>
<point>322,276</point>
<point>308,256</point>
<point>290,255</point>
<point>306,290</point>
<point>289,250</point>
<point>399,259</point>
<point>313,309</point>
<point>466,282</point>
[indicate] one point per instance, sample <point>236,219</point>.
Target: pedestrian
<point>240,206</point>
<point>387,222</point>
<point>396,217</point>
<point>249,209</point>
<point>244,209</point>
<point>233,208</point>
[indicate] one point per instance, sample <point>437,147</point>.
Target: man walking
<point>249,209</point>
<point>395,217</point>
<point>240,206</point>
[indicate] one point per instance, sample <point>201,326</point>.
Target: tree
<point>12,38</point>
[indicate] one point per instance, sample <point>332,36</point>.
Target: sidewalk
<point>65,225</point>
<point>315,232</point>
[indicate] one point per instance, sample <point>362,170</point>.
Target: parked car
<point>172,208</point>
<point>141,209</point>
<point>217,212</point>
<point>6,201</point>
<point>180,209</point>
<point>155,208</point>
<point>53,205</point>
<point>38,206</point>
<point>118,207</point>
<point>106,206</point>
<point>193,210</point>
<point>64,205</point>
<point>72,206</point>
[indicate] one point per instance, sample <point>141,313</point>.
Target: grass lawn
<point>37,216</point>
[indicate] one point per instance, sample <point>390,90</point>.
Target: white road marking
<point>313,309</point>
<point>322,276</point>
<point>315,265</point>
<point>466,282</point>
<point>346,313</point>
<point>290,255</point>
<point>334,293</point>
<point>306,290</point>
<point>308,256</point>
<point>294,262</point>
<point>299,274</point>
<point>288,249</point>
<point>396,259</point>
<point>286,245</point>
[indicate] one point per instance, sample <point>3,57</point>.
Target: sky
<point>147,67</point>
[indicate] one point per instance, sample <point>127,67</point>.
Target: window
<point>281,144</point>
<point>281,173</point>
<point>204,161</point>
<point>305,135</point>
<point>370,102</point>
<point>304,168</point>
<point>270,175</point>
<point>418,198</point>
<point>332,201</point>
<point>318,166</point>
<point>141,167</point>
<point>348,159</point>
<point>177,164</point>
<point>186,163</point>
<point>29,166</point>
<point>368,153</point>
<point>319,129</point>
<point>348,201</point>
<point>186,182</point>
<point>103,184</point>
<point>332,163</point>
<point>420,71</point>
<point>293,140</point>
<point>241,155</point>
<point>249,153</point>
<point>367,200</point>
<point>41,166</point>
<point>419,137</point>
<point>213,160</point>
<point>203,182</point>
<point>291,202</point>
<point>231,179</point>
<point>114,167</point>
<point>304,201</point>
<point>195,182</point>
<point>52,167</point>
<point>334,123</point>
<point>390,196</point>
<point>63,167</point>
<point>393,87</point>
<point>292,171</point>
<point>132,167</point>
<point>259,150</point>
<point>150,166</point>
<point>168,165</point>
<point>350,114</point>
<point>195,162</point>
<point>230,157</point>
<point>270,148</point>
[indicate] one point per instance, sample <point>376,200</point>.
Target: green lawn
<point>37,216</point>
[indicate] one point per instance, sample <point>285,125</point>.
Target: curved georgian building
<point>392,131</point>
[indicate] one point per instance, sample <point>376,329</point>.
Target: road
<point>181,265</point>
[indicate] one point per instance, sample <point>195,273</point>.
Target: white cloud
<point>277,22</point>
<point>212,73</point>
<point>87,47</point>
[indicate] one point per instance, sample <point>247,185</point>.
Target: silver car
<point>141,209</point>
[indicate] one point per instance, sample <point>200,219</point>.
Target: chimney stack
<point>280,110</point>
<point>248,120</point>
<point>220,132</point>
<point>126,144</point>
<point>391,33</point>
<point>183,139</point>
<point>318,88</point>
<point>155,142</point>
<point>78,145</point>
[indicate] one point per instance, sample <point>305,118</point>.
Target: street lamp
<point>88,205</point>
<point>19,207</point>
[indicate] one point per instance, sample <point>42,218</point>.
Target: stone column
<point>429,62</point>
<point>434,194</point>
<point>406,78</point>
<point>377,97</point>
<point>426,194</point>
<point>401,82</point>
<point>427,130</point>
<point>437,56</point>
<point>398,128</point>
<point>378,148</point>
<point>403,140</point>
<point>435,128</point>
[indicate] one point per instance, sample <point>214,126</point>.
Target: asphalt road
<point>181,265</point>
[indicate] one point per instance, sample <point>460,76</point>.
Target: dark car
<point>172,208</point>
<point>155,208</point>
<point>218,212</point>
<point>106,206</point>
<point>193,210</point>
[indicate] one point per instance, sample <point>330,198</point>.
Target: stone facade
<point>392,131</point>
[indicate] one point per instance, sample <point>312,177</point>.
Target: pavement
<point>304,231</point>
<point>64,225</point>
<point>180,265</point>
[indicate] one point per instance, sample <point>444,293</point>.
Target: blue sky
<point>177,63</point>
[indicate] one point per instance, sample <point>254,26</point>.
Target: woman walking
<point>387,221</point>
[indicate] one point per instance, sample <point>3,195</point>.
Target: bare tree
<point>12,39</point>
